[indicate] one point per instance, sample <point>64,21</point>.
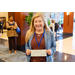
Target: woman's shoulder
<point>11,22</point>
<point>49,32</point>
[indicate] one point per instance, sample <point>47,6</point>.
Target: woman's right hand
<point>12,27</point>
<point>28,52</point>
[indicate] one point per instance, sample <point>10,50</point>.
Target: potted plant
<point>29,18</point>
<point>48,21</point>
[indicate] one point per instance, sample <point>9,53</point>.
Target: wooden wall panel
<point>71,21</point>
<point>17,19</point>
<point>24,27</point>
<point>20,19</point>
<point>68,22</point>
<point>11,14</point>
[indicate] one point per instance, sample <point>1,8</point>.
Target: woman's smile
<point>38,26</point>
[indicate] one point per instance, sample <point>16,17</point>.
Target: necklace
<point>38,35</point>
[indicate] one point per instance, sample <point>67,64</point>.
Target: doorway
<point>61,22</point>
<point>60,30</point>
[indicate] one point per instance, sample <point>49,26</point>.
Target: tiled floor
<point>13,57</point>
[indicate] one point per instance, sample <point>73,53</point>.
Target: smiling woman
<point>38,24</point>
<point>39,37</point>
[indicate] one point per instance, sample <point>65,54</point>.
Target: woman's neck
<point>39,31</point>
<point>10,21</point>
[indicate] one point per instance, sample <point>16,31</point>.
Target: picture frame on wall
<point>52,15</point>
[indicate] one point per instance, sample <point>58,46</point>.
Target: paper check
<point>35,53</point>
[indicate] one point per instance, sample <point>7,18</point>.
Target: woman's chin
<point>38,29</point>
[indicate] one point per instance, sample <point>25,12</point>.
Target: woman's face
<point>38,23</point>
<point>11,18</point>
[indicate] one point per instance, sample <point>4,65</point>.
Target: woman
<point>52,26</point>
<point>11,33</point>
<point>38,30</point>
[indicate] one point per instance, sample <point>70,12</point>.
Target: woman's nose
<point>38,23</point>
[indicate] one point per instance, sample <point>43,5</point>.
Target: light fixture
<point>68,13</point>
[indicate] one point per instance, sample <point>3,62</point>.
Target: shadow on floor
<point>1,60</point>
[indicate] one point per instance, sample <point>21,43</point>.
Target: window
<point>61,17</point>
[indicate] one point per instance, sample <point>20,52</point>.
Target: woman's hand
<point>48,51</point>
<point>12,27</point>
<point>28,52</point>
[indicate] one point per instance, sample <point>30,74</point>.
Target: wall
<point>74,15</point>
<point>57,16</point>
<point>4,14</point>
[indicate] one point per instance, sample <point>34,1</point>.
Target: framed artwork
<point>52,15</point>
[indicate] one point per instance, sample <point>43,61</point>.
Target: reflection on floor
<point>4,38</point>
<point>63,57</point>
<point>65,50</point>
<point>13,57</point>
<point>4,35</point>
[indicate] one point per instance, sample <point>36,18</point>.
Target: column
<point>68,23</point>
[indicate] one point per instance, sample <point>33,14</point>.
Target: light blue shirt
<point>49,44</point>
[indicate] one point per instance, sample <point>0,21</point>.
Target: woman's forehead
<point>38,18</point>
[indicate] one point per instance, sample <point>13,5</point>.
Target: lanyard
<point>40,39</point>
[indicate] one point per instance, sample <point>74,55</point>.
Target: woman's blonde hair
<point>32,29</point>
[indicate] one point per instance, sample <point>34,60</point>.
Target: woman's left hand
<point>48,51</point>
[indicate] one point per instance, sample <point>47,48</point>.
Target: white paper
<point>40,53</point>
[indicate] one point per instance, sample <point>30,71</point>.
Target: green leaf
<point>48,21</point>
<point>29,18</point>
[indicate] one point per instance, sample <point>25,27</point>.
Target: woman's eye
<point>35,21</point>
<point>40,21</point>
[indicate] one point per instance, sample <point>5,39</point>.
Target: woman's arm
<point>27,45</point>
<point>51,25</point>
<point>28,51</point>
<point>51,51</point>
<point>15,26</point>
<point>53,45</point>
<point>7,26</point>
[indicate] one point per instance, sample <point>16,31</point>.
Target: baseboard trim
<point>71,34</point>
